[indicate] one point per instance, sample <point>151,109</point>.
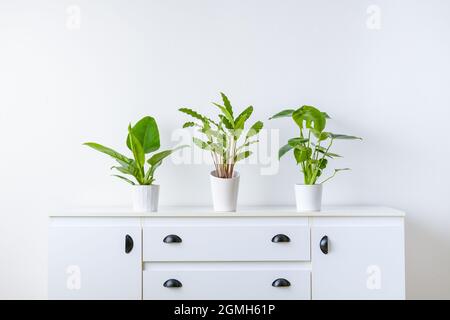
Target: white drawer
<point>237,281</point>
<point>226,239</point>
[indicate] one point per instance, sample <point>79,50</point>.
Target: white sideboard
<point>256,253</point>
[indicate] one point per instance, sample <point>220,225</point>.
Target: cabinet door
<point>362,262</point>
<point>94,259</point>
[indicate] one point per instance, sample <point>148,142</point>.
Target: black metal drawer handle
<point>129,244</point>
<point>324,244</point>
<point>173,283</point>
<point>281,238</point>
<point>172,238</point>
<point>281,283</point>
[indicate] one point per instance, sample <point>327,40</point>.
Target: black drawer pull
<point>281,238</point>
<point>172,238</point>
<point>281,283</point>
<point>324,244</point>
<point>173,283</point>
<point>129,244</point>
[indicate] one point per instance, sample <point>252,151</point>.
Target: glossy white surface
<point>308,197</point>
<point>145,198</point>
<point>249,281</point>
<point>87,260</point>
<point>365,259</point>
<point>272,211</point>
<point>225,239</point>
<point>224,192</point>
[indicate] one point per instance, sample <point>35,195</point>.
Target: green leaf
<point>283,150</point>
<point>226,122</point>
<point>189,124</point>
<point>242,156</point>
<point>214,147</point>
<point>225,113</point>
<point>302,154</point>
<point>125,179</point>
<point>254,129</point>
<point>217,148</point>
<point>129,169</point>
<point>216,134</point>
<point>151,172</point>
<point>323,163</point>
<point>147,133</point>
<point>192,113</point>
<point>311,116</point>
<point>123,170</point>
<point>201,144</point>
<point>196,115</point>
<point>327,154</point>
<point>282,114</point>
<point>137,149</point>
<point>247,144</point>
<point>124,164</point>
<point>297,141</point>
<point>160,156</point>
<point>220,137</point>
<point>321,136</point>
<point>227,104</point>
<point>110,152</point>
<point>157,157</point>
<point>242,118</point>
<point>342,136</point>
<point>206,129</point>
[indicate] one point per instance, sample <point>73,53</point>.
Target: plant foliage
<point>222,137</point>
<point>312,148</point>
<point>142,139</point>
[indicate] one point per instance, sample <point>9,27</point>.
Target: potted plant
<point>225,140</point>
<point>312,151</point>
<point>142,139</point>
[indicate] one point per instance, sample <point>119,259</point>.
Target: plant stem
<point>234,156</point>
<point>332,176</point>
<point>213,156</point>
<point>323,157</point>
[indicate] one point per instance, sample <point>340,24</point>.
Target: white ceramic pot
<point>145,198</point>
<point>224,192</point>
<point>308,197</point>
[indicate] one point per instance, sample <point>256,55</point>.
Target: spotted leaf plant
<point>142,140</point>
<point>225,137</point>
<point>312,147</point>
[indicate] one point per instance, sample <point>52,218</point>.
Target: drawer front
<point>214,281</point>
<point>226,240</point>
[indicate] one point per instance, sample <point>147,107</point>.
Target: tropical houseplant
<point>228,143</point>
<point>142,140</point>
<point>312,152</point>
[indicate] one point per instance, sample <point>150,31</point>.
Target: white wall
<point>61,86</point>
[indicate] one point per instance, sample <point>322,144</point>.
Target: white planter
<point>145,198</point>
<point>308,197</point>
<point>224,192</point>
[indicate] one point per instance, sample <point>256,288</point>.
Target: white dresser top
<point>260,211</point>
